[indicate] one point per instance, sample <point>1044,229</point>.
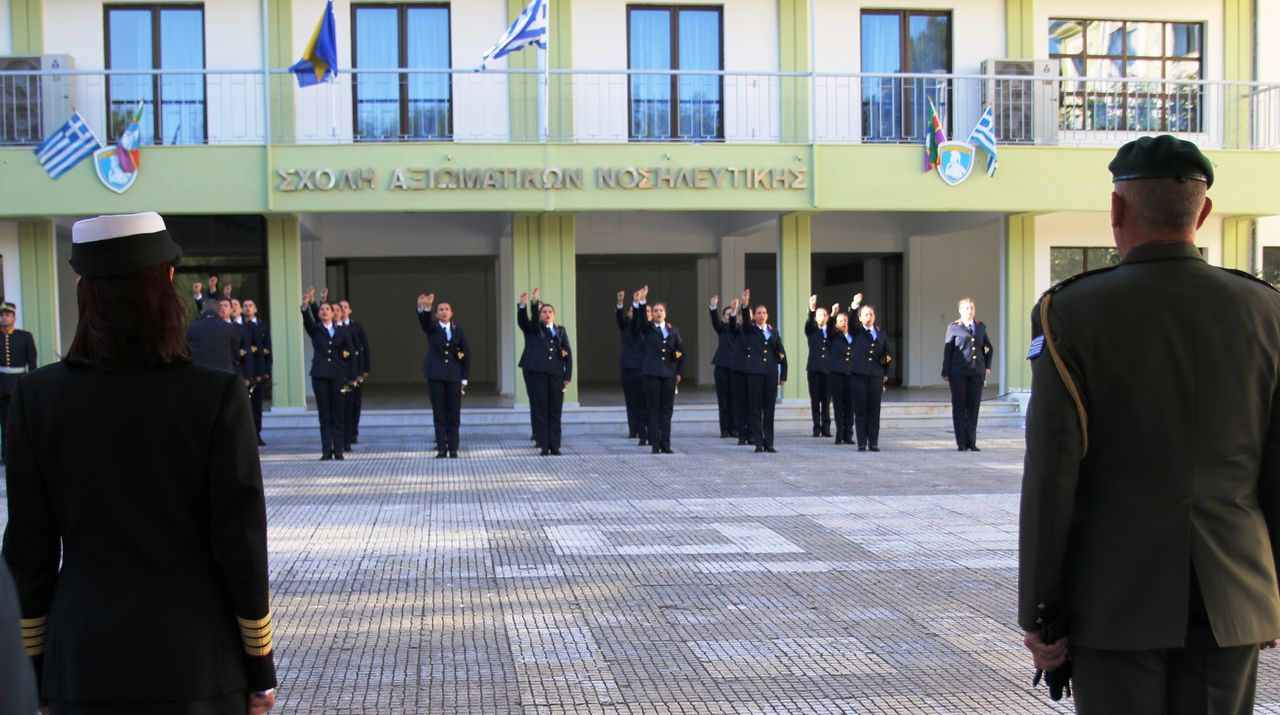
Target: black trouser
<point>528,391</point>
<point>867,392</point>
<point>349,417</point>
<point>660,401</point>
<point>546,400</point>
<point>762,392</point>
<point>966,397</point>
<point>820,400</point>
<point>738,382</point>
<point>4,424</point>
<point>255,401</point>
<point>633,391</point>
<point>229,704</point>
<point>724,398</point>
<point>357,395</point>
<point>446,413</point>
<point>842,400</point>
<point>329,404</point>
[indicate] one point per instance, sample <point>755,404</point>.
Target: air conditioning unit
<point>33,105</point>
<point>1025,104</point>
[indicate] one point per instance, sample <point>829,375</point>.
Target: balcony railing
<point>583,106</point>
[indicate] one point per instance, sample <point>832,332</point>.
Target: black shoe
<point>962,449</point>
<point>643,442</point>
<point>724,433</point>
<point>862,448</point>
<point>874,448</point>
<point>441,454</point>
<point>260,444</point>
<point>826,433</point>
<point>769,449</point>
<point>347,448</point>
<point>974,448</point>
<point>555,452</point>
<point>742,441</point>
<point>759,448</point>
<point>355,440</point>
<point>733,433</point>
<point>656,449</point>
<point>544,452</point>
<point>327,457</point>
<point>337,456</point>
<point>533,438</point>
<point>453,454</point>
<point>817,431</point>
<point>667,450</point>
<point>632,435</point>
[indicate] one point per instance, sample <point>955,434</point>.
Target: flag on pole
<point>984,135</point>
<point>528,29</point>
<point>130,140</point>
<point>65,147</point>
<point>933,136</point>
<point>319,61</point>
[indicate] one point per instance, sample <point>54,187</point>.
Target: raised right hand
<point>813,303</point>
<point>622,294</point>
<point>524,298</point>
<point>835,308</point>
<point>422,300</point>
<point>197,287</point>
<point>715,301</point>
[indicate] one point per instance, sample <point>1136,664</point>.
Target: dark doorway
<point>234,248</point>
<point>878,276</point>
<point>761,274</point>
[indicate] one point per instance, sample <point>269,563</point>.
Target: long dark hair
<point>136,319</point>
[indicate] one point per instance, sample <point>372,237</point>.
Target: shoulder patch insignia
<point>1250,276</point>
<point>1037,347</point>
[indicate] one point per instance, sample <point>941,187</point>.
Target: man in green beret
<point>1151,491</point>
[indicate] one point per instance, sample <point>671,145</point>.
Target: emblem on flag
<point>955,161</point>
<point>66,147</point>
<point>528,29</point>
<point>111,173</point>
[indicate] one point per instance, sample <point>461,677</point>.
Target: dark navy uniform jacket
<point>818,345</point>
<point>967,353</point>
<point>361,338</point>
<point>212,342</point>
<point>761,355</point>
<point>245,364</point>
<point>547,353</point>
<point>871,356</point>
<point>448,352</point>
<point>531,310</point>
<point>631,357</point>
<point>261,348</point>
<point>332,356</point>
<point>663,357</point>
<point>739,340</point>
<point>17,357</point>
<point>840,352</point>
<point>724,356</point>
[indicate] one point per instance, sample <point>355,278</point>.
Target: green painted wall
<point>281,53</point>
<point>544,255</point>
<point>1020,266</point>
<point>795,268</point>
<point>1238,64</point>
<point>284,278</point>
<point>38,310</point>
<point>27,19</point>
<point>1020,31</point>
<point>1237,243</point>
<point>793,44</point>
<point>523,89</point>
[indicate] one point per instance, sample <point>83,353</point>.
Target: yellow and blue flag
<point>319,61</point>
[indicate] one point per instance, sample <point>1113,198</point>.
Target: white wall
<point>1268,43</point>
<point>406,234</point>
<point>6,29</point>
<point>647,232</point>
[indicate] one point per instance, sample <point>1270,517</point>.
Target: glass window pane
<point>428,37</point>
<point>881,43</point>
<point>130,48</point>
<point>1271,264</point>
<point>650,49</point>
<point>1064,263</point>
<point>881,96</point>
<point>182,95</point>
<point>930,41</point>
<point>377,35</point>
<point>1145,39</point>
<point>1066,37</point>
<point>1184,39</point>
<point>1104,37</point>
<point>1100,257</point>
<point>699,94</point>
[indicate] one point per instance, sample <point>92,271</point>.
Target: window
<point>155,37</point>
<point>1271,264</point>
<point>1065,262</point>
<point>1103,52</point>
<point>672,106</point>
<point>392,106</point>
<point>901,41</point>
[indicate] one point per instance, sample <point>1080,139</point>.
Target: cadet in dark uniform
<point>840,363</point>
<point>551,367</point>
<point>1150,522</point>
<point>244,366</point>
<point>17,358</point>
<point>211,339</point>
<point>447,368</point>
<point>871,370</point>
<point>17,678</point>
<point>738,373</point>
<point>630,360</point>
<point>262,363</point>
<point>817,333</point>
<point>142,572</point>
<point>533,309</point>
<point>331,369</point>
<point>663,367</point>
<point>364,364</point>
<point>966,363</point>
<point>723,362</point>
<point>765,361</point>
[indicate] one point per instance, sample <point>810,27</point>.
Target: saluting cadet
<point>840,363</point>
<point>966,363</point>
<point>663,367</point>
<point>447,368</point>
<point>331,369</point>
<point>723,362</point>
<point>532,309</point>
<point>19,357</point>
<point>201,298</point>
<point>142,572</point>
<point>816,332</point>
<point>871,370</point>
<point>262,363</point>
<point>551,367</point>
<point>765,361</point>
<point>1150,516</point>
<point>211,340</point>
<point>244,365</point>
<point>738,373</point>
<point>355,398</point>
<point>630,360</point>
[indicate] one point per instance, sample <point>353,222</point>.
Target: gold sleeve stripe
<point>260,623</point>
<point>33,622</point>
<point>255,632</point>
<point>35,650</point>
<point>264,650</point>
<point>258,642</point>
<point>33,641</point>
<point>32,632</point>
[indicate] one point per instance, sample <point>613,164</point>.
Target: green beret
<point>1162,157</point>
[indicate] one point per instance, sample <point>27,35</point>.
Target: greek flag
<point>65,148</point>
<point>984,135</point>
<point>528,29</point>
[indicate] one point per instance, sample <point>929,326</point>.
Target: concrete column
<point>1237,243</point>
<point>281,53</point>
<point>38,311</point>
<point>1020,297</point>
<point>1020,31</point>
<point>509,344</point>
<point>284,276</point>
<point>26,19</point>
<point>795,268</point>
<point>523,89</point>
<point>1238,65</point>
<point>544,254</point>
<point>794,54</point>
<point>733,267</point>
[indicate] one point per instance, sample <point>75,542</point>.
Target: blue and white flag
<point>65,148</point>
<point>984,136</point>
<point>528,29</point>
<point>319,61</point>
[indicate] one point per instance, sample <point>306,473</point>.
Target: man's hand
<point>260,704</point>
<point>813,303</point>
<point>566,384</point>
<point>988,373</point>
<point>946,378</point>
<point>537,292</point>
<point>524,299</point>
<point>197,288</point>
<point>715,301</point>
<point>679,378</point>
<point>746,297</point>
<point>324,295</point>
<point>857,300</point>
<point>226,291</point>
<point>1045,657</point>
<point>423,303</point>
<point>622,294</point>
<point>781,382</point>
<point>835,308</point>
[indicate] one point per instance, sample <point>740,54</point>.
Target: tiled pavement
<point>609,580</point>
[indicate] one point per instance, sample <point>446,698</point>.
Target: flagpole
<point>546,81</point>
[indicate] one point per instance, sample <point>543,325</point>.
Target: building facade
<point>698,148</point>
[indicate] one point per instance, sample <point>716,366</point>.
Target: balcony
<point>244,107</point>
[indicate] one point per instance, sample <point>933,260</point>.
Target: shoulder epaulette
<point>1246,274</point>
<point>1053,289</point>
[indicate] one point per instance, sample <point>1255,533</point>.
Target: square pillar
<point>795,270</point>
<point>544,255</point>
<point>281,53</point>
<point>794,54</point>
<point>1020,298</point>
<point>284,278</point>
<point>1237,243</point>
<point>1020,31</point>
<point>523,89</point>
<point>38,309</point>
<point>26,19</point>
